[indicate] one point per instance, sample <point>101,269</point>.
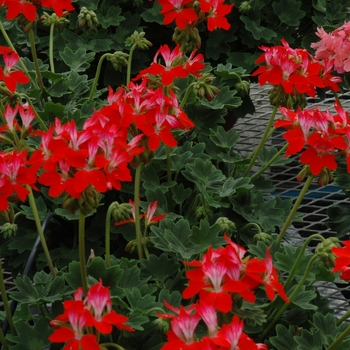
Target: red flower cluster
<point>295,70</point>
<point>319,135</point>
<point>190,13</point>
<point>222,276</point>
<point>28,8</point>
<point>74,326</point>
<point>174,67</point>
<point>11,77</point>
<point>342,260</point>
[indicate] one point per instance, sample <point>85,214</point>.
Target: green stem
<point>5,301</point>
<point>343,318</point>
<point>291,298</point>
<point>339,339</point>
<point>82,252</point>
<point>97,76</point>
<point>300,256</point>
<point>108,234</point>
<point>271,161</point>
<point>36,63</point>
<point>3,340</point>
<point>37,116</point>
<point>187,93</point>
<point>148,313</point>
<point>295,208</point>
<point>40,231</point>
<point>116,346</point>
<point>262,141</point>
<point>251,224</point>
<point>137,210</point>
<point>168,169</point>
<point>128,70</point>
<point>52,64</point>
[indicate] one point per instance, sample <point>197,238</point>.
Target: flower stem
<point>108,234</point>
<point>128,70</point>
<point>82,252</point>
<point>339,339</point>
<point>137,210</point>
<point>250,224</point>
<point>3,340</point>
<point>343,318</point>
<point>97,75</point>
<point>295,208</point>
<point>52,64</point>
<point>168,169</point>
<point>6,302</point>
<point>36,63</point>
<point>187,93</point>
<point>40,231</point>
<point>300,256</point>
<point>271,161</point>
<point>291,298</point>
<point>262,141</point>
<point>37,116</point>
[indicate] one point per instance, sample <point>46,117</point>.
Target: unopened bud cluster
<point>324,251</point>
<point>279,98</point>
<point>121,212</point>
<point>188,38</point>
<point>87,19</point>
<point>204,87</point>
<point>59,22</point>
<point>139,40</point>
<point>119,60</point>
<point>226,225</point>
<point>242,87</point>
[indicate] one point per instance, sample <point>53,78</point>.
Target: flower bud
<point>121,212</point>
<point>203,212</point>
<point>204,87</point>
<point>70,203</point>
<point>305,171</point>
<point>59,22</point>
<point>244,7</point>
<point>161,324</point>
<point>23,22</point>
<point>242,87</point>
<point>119,59</point>
<point>9,230</point>
<point>188,38</point>
<point>324,251</point>
<point>263,237</point>
<point>138,39</point>
<point>87,19</point>
<point>7,216</point>
<point>226,225</point>
<point>89,200</point>
<point>325,177</point>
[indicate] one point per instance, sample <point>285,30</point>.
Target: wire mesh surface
<point>318,199</point>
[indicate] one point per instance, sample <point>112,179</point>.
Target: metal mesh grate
<point>316,202</point>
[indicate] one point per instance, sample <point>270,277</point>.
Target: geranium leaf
<point>160,267</point>
<point>303,298</point>
<point>225,99</point>
<point>288,11</point>
<point>153,14</point>
<point>259,32</point>
<point>77,61</point>
<point>231,185</point>
<point>141,302</point>
<point>266,155</point>
<point>284,339</point>
<point>339,219</point>
<point>224,139</point>
<point>31,338</point>
<point>217,43</point>
<point>131,277</point>
<point>310,340</point>
<point>110,15</point>
<point>180,194</point>
<point>205,235</point>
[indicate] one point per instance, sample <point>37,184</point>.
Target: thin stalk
<point>271,161</point>
<point>251,224</point>
<point>128,70</point>
<point>82,252</point>
<point>5,301</point>
<point>3,340</point>
<point>52,64</point>
<point>137,210</point>
<point>291,298</point>
<point>116,346</point>
<point>108,234</point>
<point>168,169</point>
<point>295,208</point>
<point>262,141</point>
<point>36,63</point>
<point>97,75</point>
<point>300,256</point>
<point>40,231</point>
<point>343,318</point>
<point>187,93</point>
<point>339,339</point>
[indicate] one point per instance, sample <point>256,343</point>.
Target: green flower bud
<point>188,38</point>
<point>23,22</point>
<point>87,19</point>
<point>203,212</point>
<point>305,171</point>
<point>161,324</point>
<point>325,177</point>
<point>121,212</point>
<point>89,200</point>
<point>244,7</point>
<point>263,237</point>
<point>119,59</point>
<point>59,22</point>
<point>139,40</point>
<point>70,203</point>
<point>7,216</point>
<point>203,87</point>
<point>226,225</point>
<point>242,87</point>
<point>324,251</point>
<point>9,230</point>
